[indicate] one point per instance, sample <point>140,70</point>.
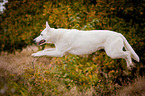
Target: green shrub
<point>99,72</point>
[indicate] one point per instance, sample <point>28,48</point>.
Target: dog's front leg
<point>43,51</point>
<point>50,49</point>
<point>53,53</point>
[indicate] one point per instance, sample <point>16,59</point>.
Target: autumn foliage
<point>25,19</point>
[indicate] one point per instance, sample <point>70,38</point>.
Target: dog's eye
<point>41,34</point>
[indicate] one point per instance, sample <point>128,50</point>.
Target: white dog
<point>80,42</point>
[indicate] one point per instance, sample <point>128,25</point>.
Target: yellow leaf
<point>77,69</point>
<point>112,8</point>
<point>90,76</point>
<point>141,13</point>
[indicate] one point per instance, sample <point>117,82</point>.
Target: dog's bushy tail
<point>129,48</point>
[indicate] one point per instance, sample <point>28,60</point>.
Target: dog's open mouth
<point>41,42</point>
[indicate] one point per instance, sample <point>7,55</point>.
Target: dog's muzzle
<point>40,42</point>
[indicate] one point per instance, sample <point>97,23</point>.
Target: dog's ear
<point>47,25</point>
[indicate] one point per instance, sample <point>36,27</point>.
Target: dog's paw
<point>35,54</point>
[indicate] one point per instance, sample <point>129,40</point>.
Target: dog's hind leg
<point>115,51</point>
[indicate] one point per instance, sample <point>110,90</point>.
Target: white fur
<point>80,42</point>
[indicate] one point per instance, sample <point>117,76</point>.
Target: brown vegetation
<point>19,63</point>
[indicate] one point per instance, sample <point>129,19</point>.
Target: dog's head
<point>44,36</point>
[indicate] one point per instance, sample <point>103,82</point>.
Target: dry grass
<point>18,62</point>
<point>134,89</point>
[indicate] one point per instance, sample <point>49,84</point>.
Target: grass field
<point>23,75</point>
<point>14,66</point>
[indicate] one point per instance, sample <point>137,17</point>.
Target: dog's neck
<point>55,35</point>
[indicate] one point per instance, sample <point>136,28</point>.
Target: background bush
<point>24,20</point>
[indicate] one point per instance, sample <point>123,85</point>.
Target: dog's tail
<point>129,48</point>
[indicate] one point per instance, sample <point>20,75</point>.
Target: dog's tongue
<point>41,42</point>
